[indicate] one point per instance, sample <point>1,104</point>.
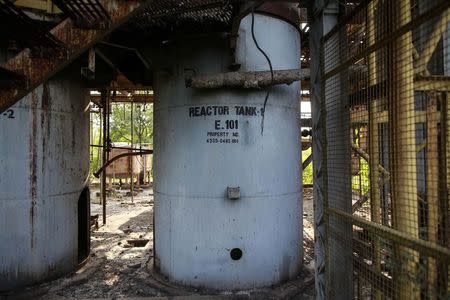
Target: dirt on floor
<point>117,268</point>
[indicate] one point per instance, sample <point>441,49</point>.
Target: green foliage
<point>120,128</point>
<point>95,152</point>
<point>364,185</point>
<point>308,172</point>
<point>360,184</point>
<point>120,123</point>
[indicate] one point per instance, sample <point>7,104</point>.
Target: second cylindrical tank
<point>44,168</point>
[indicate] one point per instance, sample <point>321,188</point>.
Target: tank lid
<point>286,11</point>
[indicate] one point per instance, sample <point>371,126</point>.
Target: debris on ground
<point>121,260</point>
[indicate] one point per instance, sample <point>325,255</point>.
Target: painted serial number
<point>229,124</point>
<point>222,141</point>
<point>9,114</point>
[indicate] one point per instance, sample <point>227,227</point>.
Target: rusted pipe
<point>105,115</point>
<point>114,147</point>
<point>143,152</point>
<point>248,80</point>
<point>131,161</point>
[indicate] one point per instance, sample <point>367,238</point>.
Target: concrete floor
<point>115,269</point>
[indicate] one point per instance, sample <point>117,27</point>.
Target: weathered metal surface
<point>165,14</point>
<point>197,158</point>
<point>143,16</point>
<point>38,68</point>
<point>249,80</point>
<point>44,165</point>
<point>9,78</point>
<point>90,14</point>
<point>323,17</point>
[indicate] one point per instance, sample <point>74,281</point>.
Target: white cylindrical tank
<point>209,140</point>
<point>44,167</point>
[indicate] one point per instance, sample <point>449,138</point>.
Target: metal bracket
<point>233,193</point>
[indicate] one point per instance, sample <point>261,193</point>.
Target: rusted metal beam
<point>421,83</point>
<point>122,98</point>
<point>366,157</point>
<point>76,41</point>
<point>125,98</point>
<point>406,240</point>
<point>361,116</point>
<point>432,83</point>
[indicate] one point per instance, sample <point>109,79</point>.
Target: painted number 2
<point>9,114</point>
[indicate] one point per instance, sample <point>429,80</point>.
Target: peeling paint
<point>45,120</point>
<point>33,164</point>
<point>38,203</point>
<point>73,131</point>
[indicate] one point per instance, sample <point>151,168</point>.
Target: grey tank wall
<point>44,165</point>
<point>197,158</point>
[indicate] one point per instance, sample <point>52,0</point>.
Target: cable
<point>270,65</point>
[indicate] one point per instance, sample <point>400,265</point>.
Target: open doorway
<point>121,144</point>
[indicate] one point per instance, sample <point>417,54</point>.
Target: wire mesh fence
<point>386,92</point>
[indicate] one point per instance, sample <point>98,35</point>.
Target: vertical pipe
<point>132,147</point>
<point>432,181</point>
<point>99,142</point>
<point>91,135</point>
<point>446,182</point>
<point>374,161</point>
<point>108,128</point>
<point>404,177</point>
<point>104,150</point>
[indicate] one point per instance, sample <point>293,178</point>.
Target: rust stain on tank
<point>72,110</point>
<point>45,119</point>
<point>33,163</point>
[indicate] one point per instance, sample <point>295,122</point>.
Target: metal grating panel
<point>169,14</point>
<point>85,13</point>
<point>386,89</point>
